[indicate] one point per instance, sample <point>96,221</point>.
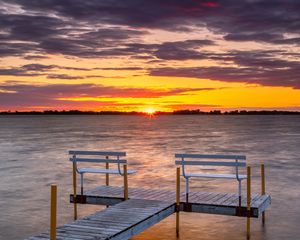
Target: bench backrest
<point>98,157</point>
<point>211,160</point>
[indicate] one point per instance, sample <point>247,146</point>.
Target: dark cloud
<point>182,50</point>
<point>274,38</point>
<point>288,77</point>
<point>39,34</point>
<point>179,106</point>
<point>228,16</point>
<point>106,29</point>
<point>48,70</point>
<point>260,67</point>
<point>120,68</point>
<point>71,77</point>
<point>67,27</point>
<point>35,69</point>
<point>16,93</point>
<point>9,49</point>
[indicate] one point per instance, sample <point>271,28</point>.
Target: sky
<point>156,55</point>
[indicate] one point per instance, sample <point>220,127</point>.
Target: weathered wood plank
<point>112,195</point>
<point>121,221</point>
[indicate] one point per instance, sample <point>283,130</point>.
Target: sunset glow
<point>149,111</point>
<point>51,59</point>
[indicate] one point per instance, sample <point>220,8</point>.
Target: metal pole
<point>263,189</point>
<point>53,212</point>
<point>248,200</point>
<point>177,199</point>
<point>74,189</point>
<point>125,182</point>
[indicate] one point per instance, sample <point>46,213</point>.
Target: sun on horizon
<point>149,111</point>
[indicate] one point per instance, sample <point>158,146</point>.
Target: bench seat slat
<point>210,156</point>
<point>120,154</point>
<point>97,170</point>
<point>210,163</point>
<point>226,176</point>
<point>99,160</point>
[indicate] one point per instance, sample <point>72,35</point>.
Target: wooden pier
<point>121,221</point>
<point>146,207</point>
<point>133,210</point>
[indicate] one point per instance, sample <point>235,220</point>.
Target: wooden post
<point>263,188</point>
<point>74,190</point>
<point>177,199</point>
<point>107,174</point>
<point>125,182</point>
<point>248,200</point>
<point>53,212</point>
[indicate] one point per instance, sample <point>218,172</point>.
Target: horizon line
<point>175,112</point>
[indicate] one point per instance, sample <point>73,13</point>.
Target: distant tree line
<point>178,112</point>
<point>235,112</point>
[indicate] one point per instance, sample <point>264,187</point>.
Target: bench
<point>99,157</point>
<point>234,161</point>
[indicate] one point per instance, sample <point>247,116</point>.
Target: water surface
<point>33,155</point>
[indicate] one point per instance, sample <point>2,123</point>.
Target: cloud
<point>116,29</point>
<point>274,38</point>
<point>58,27</point>
<point>181,106</point>
<point>267,77</point>
<point>35,69</point>
<point>257,67</point>
<point>72,77</point>
<point>17,94</point>
<point>43,70</point>
<point>228,16</point>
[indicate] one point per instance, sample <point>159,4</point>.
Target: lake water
<point>33,155</point>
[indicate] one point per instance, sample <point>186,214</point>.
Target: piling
<point>177,199</point>
<point>107,174</point>
<point>248,200</point>
<point>53,212</point>
<point>263,189</point>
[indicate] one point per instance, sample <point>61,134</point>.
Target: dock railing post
<point>248,200</point>
<point>125,182</point>
<point>263,189</point>
<point>177,199</point>
<point>53,212</point>
<point>74,190</point>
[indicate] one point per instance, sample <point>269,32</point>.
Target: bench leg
<point>125,182</point>
<point>240,197</point>
<point>187,190</point>
<point>81,180</point>
<point>74,189</point>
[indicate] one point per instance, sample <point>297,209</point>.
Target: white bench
<point>235,161</point>
<point>99,157</point>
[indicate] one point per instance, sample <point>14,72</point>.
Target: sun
<point>149,111</point>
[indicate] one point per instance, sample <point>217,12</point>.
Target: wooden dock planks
<point>201,202</point>
<point>121,221</point>
<point>146,207</point>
